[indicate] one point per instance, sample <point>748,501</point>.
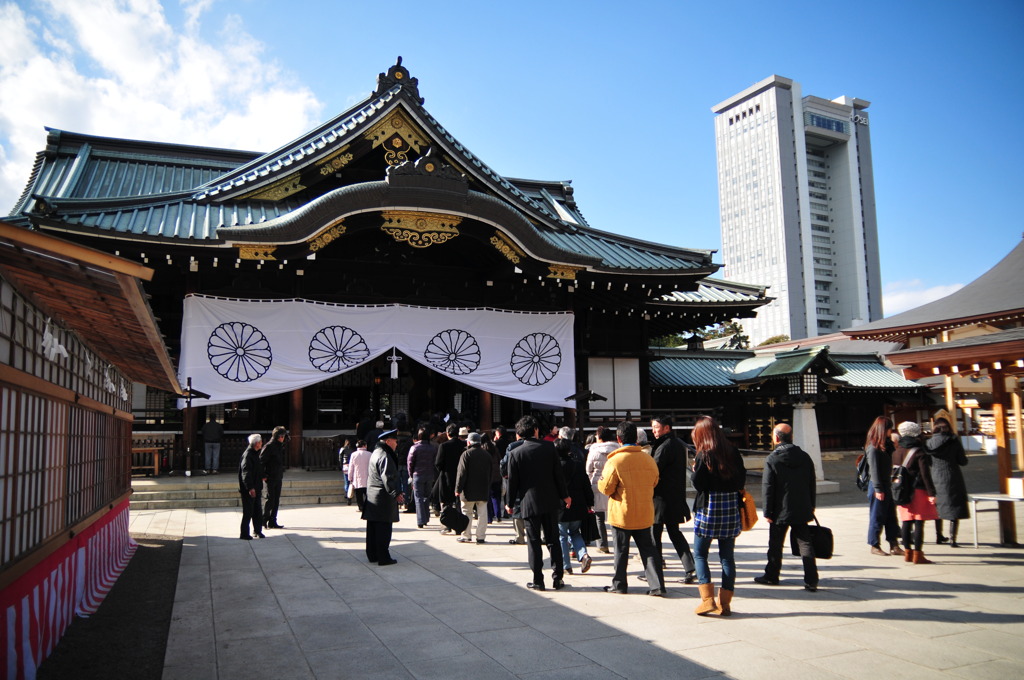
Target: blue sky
<point>614,96</point>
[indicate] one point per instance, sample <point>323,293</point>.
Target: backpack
<point>863,473</point>
<point>903,481</point>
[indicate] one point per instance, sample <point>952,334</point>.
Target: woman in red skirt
<point>910,454</point>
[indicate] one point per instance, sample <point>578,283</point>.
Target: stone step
<point>224,502</point>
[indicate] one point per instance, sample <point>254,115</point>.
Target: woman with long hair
<point>878,448</point>
<point>718,476</point>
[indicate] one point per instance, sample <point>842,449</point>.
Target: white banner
<point>243,349</point>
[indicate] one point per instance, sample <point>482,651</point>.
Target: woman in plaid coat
<point>718,476</point>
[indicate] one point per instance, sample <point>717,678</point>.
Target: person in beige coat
<point>628,479</point>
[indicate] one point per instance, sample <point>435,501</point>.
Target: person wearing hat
<point>473,486</point>
<point>947,457</point>
<point>272,459</point>
<point>383,497</point>
<point>910,454</point>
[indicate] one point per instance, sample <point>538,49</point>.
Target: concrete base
<point>825,486</point>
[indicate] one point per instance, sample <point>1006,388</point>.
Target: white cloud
<point>899,296</point>
<point>117,68</point>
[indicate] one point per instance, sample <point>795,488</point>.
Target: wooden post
<point>295,429</point>
<point>1007,517</point>
<point>486,411</point>
<point>951,403</point>
<point>1018,426</point>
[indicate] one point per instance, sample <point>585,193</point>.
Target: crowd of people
<point>562,495</point>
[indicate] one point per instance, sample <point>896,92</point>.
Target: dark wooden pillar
<point>1007,516</point>
<point>188,435</point>
<point>486,411</point>
<point>295,429</point>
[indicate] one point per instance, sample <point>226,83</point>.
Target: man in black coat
<point>535,477</point>
<point>272,458</point>
<point>250,486</point>
<point>670,507</point>
<point>789,488</point>
<point>446,465</point>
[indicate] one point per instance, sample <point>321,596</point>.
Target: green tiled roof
<point>719,369</point>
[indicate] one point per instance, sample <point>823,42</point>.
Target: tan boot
<point>919,558</point>
<point>908,555</point>
<point>707,600</point>
<point>724,599</point>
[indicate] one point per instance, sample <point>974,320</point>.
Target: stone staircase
<point>221,491</point>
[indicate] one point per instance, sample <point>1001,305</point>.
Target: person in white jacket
<point>597,456</point>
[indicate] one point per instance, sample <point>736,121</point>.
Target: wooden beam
<point>1018,426</point>
<point>40,241</point>
<point>1007,517</point>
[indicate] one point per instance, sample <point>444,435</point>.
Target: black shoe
<point>690,578</point>
<point>941,539</point>
<point>388,561</point>
<point>261,535</point>
<point>558,584</point>
<point>765,581</point>
<point>480,541</point>
<point>656,593</point>
<point>614,591</point>
<point>275,526</point>
<point>953,544</point>
<point>809,587</point>
<point>419,526</point>
<point>535,586</point>
<point>245,537</point>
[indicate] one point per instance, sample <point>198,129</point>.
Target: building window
<point>826,123</point>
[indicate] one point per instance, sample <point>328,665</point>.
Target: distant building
<point>797,204</point>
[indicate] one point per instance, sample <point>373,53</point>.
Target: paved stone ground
<point>305,604</point>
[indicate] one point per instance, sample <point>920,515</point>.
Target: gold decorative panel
<point>256,252</point>
<point>398,135</point>
<point>327,235</point>
<point>292,184</point>
<point>336,161</point>
<point>419,229</point>
<point>563,271</point>
<point>507,248</point>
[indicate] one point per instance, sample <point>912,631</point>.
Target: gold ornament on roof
<point>282,188</point>
<point>258,252</point>
<point>336,161</point>
<point>420,229</point>
<point>327,235</point>
<point>507,248</point>
<point>563,271</point>
<point>397,131</point>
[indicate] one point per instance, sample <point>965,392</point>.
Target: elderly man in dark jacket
<point>789,489</point>
<point>250,485</point>
<point>383,496</point>
<point>670,507</point>
<point>473,486</point>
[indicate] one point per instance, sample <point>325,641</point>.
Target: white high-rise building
<point>797,203</point>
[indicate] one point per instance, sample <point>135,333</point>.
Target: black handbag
<point>452,518</point>
<point>589,528</point>
<point>822,541</point>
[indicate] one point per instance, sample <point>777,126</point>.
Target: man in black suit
<point>272,458</point>
<point>446,465</point>
<point>535,477</point>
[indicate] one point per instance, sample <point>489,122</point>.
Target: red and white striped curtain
<point>38,607</point>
